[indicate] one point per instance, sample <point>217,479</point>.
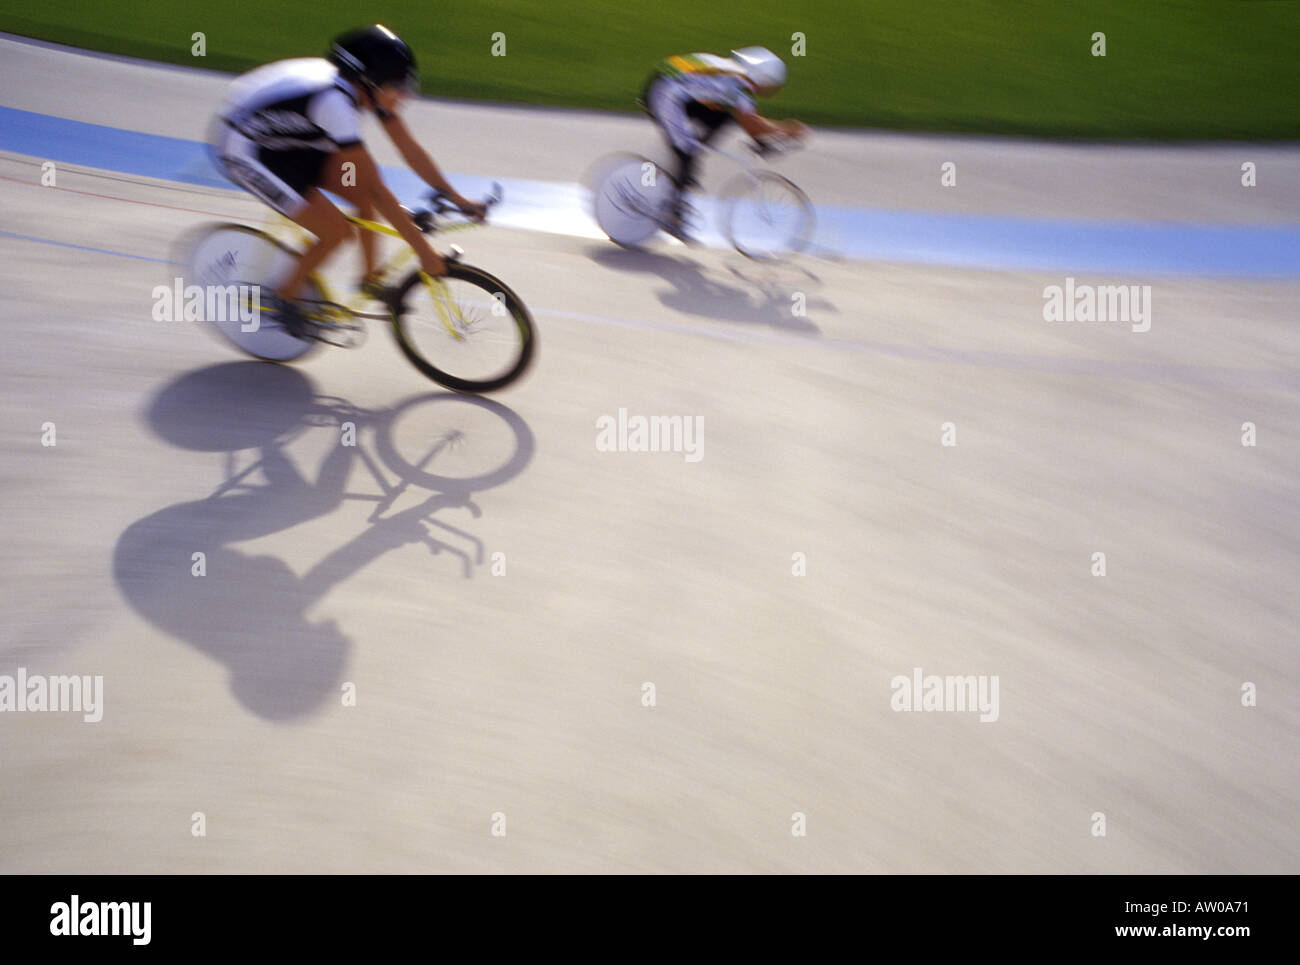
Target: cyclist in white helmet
<point>693,96</point>
<point>291,129</point>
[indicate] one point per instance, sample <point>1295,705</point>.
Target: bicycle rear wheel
<point>221,258</point>
<point>625,207</point>
<point>467,330</point>
<point>765,216</point>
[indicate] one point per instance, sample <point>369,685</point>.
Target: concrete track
<point>520,691</point>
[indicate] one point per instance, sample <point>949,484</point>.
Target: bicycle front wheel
<point>465,330</point>
<point>766,217</point>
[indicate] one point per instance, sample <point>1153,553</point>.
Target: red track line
<point>111,197</point>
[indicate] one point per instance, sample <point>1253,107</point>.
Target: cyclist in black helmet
<point>293,127</point>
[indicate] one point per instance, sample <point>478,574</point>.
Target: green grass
<point>1173,68</point>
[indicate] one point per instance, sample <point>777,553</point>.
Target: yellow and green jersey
<point>681,64</point>
<point>707,78</point>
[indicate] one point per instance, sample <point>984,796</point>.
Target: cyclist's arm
<point>418,160</point>
<point>370,181</point>
<point>757,126</point>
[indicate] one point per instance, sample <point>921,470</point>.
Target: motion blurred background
<point>1172,69</point>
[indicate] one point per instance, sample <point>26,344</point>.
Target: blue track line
<point>98,251</point>
<point>958,240</point>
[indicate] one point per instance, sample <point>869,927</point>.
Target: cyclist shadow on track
<point>764,295</point>
<point>248,610</point>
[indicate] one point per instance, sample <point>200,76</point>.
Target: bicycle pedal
<point>375,289</point>
<point>456,253</point>
<point>341,334</point>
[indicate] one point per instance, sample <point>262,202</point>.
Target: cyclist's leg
<point>326,222</point>
<point>283,181</point>
<point>684,170</point>
<point>710,120</point>
<point>238,158</point>
<point>668,107</point>
<point>304,170</point>
<point>707,122</point>
<point>363,202</point>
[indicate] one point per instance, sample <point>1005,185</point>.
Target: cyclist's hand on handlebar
<point>795,129</point>
<point>474,210</point>
<point>785,136</point>
<point>431,261</point>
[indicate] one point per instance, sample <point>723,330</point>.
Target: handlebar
<point>438,203</point>
<point>775,145</point>
<point>766,148</point>
<point>435,203</point>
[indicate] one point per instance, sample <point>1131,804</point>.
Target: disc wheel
<point>627,197</point>
<point>218,257</point>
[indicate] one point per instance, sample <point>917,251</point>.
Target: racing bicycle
<point>763,215</point>
<point>466,330</point>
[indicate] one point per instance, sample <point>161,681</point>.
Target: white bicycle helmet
<point>761,66</point>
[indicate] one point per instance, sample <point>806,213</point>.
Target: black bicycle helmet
<point>375,56</point>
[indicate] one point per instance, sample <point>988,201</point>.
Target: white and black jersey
<point>279,123</point>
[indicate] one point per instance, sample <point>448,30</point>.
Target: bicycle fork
<point>448,310</point>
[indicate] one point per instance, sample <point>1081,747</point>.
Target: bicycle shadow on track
<point>764,295</point>
<point>248,610</point>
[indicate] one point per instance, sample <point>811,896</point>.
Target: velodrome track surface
<point>520,693</point>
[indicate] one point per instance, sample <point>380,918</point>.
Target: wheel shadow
<point>248,610</point>
<point>744,291</point>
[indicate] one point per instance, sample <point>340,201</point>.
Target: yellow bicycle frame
<point>448,311</point>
